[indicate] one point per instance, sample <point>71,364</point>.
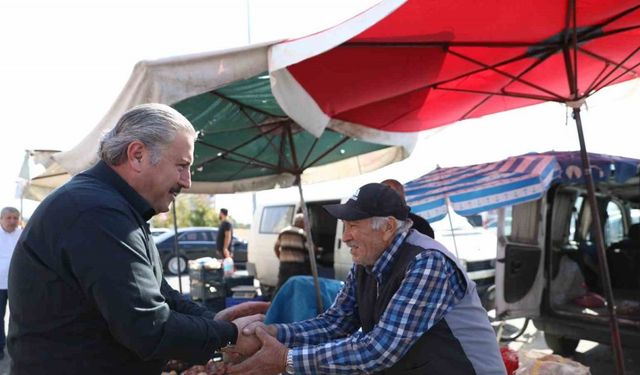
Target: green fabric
<point>243,133</point>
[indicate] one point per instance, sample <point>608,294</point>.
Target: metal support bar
<point>602,256</point>
<point>176,251</point>
<point>310,250</point>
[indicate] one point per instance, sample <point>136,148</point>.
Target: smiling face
<point>162,182</point>
<point>366,243</point>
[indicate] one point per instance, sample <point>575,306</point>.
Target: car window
<point>614,224</point>
<point>575,216</point>
<point>192,236</point>
<point>275,218</point>
<point>208,235</point>
<point>635,215</point>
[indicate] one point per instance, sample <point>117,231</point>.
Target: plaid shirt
<point>333,342</point>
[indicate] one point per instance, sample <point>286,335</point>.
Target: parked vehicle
<point>547,266</point>
<point>155,232</point>
<point>476,246</point>
<point>194,243</point>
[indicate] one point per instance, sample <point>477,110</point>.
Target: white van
<point>476,247</point>
<point>548,270</point>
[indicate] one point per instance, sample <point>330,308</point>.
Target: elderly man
<point>406,306</point>
<point>87,294</point>
<point>9,219</point>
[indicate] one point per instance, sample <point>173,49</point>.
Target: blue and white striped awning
<point>482,187</point>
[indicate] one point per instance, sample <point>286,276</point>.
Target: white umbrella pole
<point>309,244</point>
<point>453,233</point>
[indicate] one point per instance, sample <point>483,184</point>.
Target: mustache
<point>351,243</point>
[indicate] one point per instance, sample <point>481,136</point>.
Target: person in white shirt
<point>9,220</point>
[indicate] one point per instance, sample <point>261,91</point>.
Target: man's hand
<point>250,329</point>
<point>245,345</point>
<point>270,359</point>
<point>244,309</point>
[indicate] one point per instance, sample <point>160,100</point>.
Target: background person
<point>87,293</point>
<point>419,223</point>
<point>406,307</point>
<point>225,234</point>
<point>9,219</point>
<point>290,248</point>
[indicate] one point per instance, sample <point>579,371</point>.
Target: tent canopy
<point>407,66</point>
<point>482,187</point>
<point>227,96</point>
<point>246,142</point>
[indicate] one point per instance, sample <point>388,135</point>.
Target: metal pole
<point>309,243</point>
<point>602,256</point>
<point>453,234</point>
<point>176,252</point>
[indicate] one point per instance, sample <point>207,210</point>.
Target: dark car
<point>194,243</point>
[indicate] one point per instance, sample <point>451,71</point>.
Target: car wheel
<point>175,265</point>
<point>563,346</point>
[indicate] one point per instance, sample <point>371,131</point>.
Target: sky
<point>64,63</point>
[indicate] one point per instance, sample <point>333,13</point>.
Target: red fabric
<point>510,359</point>
<point>590,300</point>
<point>412,88</point>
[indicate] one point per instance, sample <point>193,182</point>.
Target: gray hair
<point>153,124</point>
<point>9,210</point>
<point>401,225</point>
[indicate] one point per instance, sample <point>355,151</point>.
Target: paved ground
<point>599,358</point>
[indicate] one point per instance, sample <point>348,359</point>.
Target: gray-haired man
<point>406,307</point>
<point>87,294</point>
<point>9,234</point>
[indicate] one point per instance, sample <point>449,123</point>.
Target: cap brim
<point>346,212</point>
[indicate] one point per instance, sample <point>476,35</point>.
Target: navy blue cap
<point>369,201</point>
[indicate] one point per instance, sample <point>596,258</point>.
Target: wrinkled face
<point>9,221</point>
<point>366,243</point>
<point>163,181</point>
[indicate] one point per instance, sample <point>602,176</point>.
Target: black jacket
<point>86,290</point>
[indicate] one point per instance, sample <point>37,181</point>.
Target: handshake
<point>256,351</point>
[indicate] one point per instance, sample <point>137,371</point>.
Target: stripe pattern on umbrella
<point>481,187</point>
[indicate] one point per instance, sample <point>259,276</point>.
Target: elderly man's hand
<point>250,328</point>
<point>244,309</point>
<point>270,359</point>
<point>245,345</point>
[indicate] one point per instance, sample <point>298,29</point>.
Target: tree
<point>192,210</point>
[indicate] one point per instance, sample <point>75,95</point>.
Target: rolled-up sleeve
<point>108,255</point>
